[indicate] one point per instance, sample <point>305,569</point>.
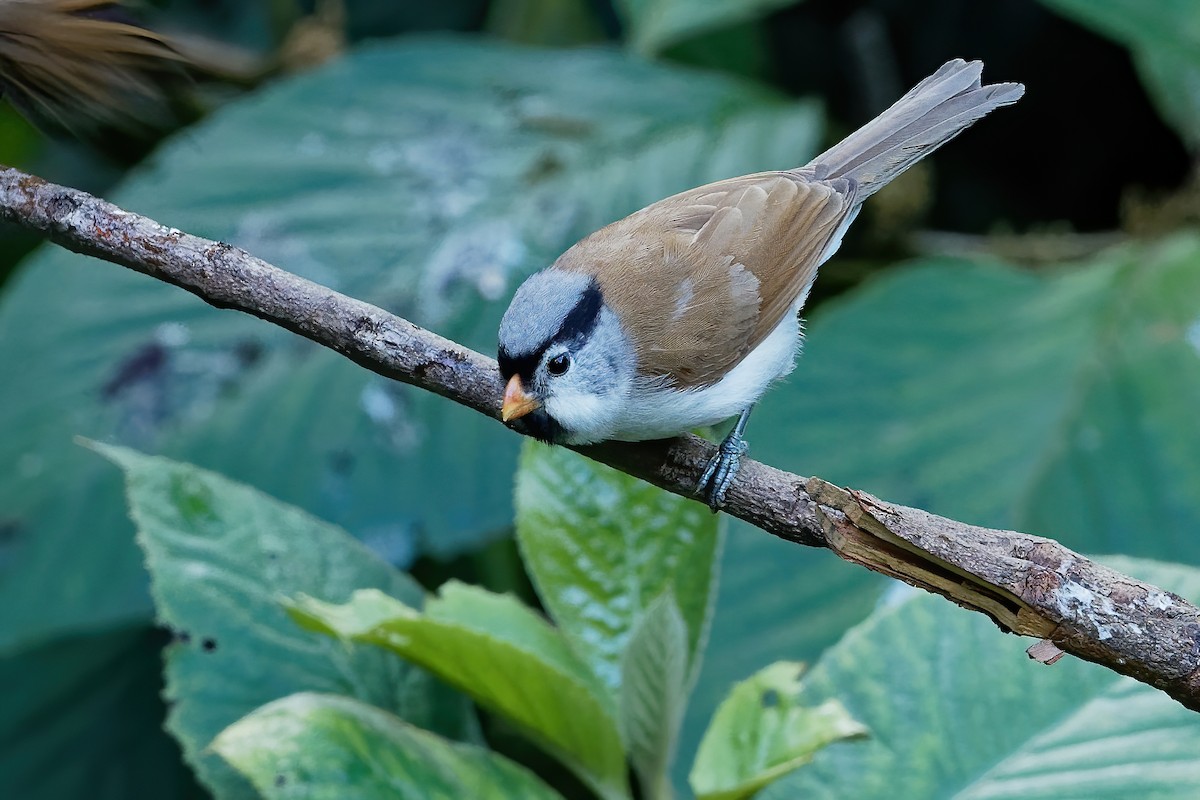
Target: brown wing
<point>701,278</point>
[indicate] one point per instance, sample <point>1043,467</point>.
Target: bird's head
<point>567,362</point>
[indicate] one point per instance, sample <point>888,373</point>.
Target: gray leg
<point>723,467</point>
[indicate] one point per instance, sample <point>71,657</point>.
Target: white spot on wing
<point>683,299</point>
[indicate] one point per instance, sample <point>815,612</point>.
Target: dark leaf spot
<point>341,462</point>
<point>547,166</point>
<point>248,352</point>
<point>560,125</point>
<point>9,528</point>
<point>147,362</point>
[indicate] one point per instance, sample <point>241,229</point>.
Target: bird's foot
<point>721,470</point>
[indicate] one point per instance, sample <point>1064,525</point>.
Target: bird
<point>681,315</point>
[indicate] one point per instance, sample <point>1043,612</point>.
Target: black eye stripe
<point>576,326</point>
<point>522,365</point>
<point>582,319</point>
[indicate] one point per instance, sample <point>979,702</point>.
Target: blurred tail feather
<point>81,63</point>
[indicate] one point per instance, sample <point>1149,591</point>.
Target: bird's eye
<point>559,364</point>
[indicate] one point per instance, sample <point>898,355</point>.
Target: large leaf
<point>653,692</point>
<point>956,709</point>
<point>1164,36</point>
<point>655,24</point>
<point>762,731</point>
<point>1061,405</point>
<point>220,555</point>
<point>602,546</point>
<point>510,660</point>
<point>427,176</point>
<point>328,747</point>
<point>82,717</point>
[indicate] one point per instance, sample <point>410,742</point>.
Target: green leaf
<point>82,717</point>
<point>956,709</point>
<point>1060,404</point>
<point>220,555</point>
<point>743,49</point>
<point>506,657</point>
<point>1164,37</point>
<point>1174,86</point>
<point>777,602</point>
<point>427,176</point>
<point>328,747</point>
<point>601,547</point>
<point>655,24</point>
<point>762,731</point>
<point>1172,24</point>
<point>653,693</point>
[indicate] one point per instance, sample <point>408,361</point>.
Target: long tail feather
<point>932,113</point>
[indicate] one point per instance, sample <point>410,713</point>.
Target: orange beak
<point>516,403</point>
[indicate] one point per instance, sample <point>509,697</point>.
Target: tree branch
<point>1026,584</point>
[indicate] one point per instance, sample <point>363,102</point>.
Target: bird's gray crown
<point>551,306</point>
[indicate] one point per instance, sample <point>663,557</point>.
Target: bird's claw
<point>721,470</point>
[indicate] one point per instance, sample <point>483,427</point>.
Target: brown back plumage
<point>729,260</point>
<point>722,264</point>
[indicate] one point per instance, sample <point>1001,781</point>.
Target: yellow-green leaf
<point>327,747</point>
<point>764,730</point>
<point>502,654</point>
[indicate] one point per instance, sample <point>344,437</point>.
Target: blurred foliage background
<point>1010,335</point>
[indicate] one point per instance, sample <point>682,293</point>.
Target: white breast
<point>647,410</point>
<point>656,413</point>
